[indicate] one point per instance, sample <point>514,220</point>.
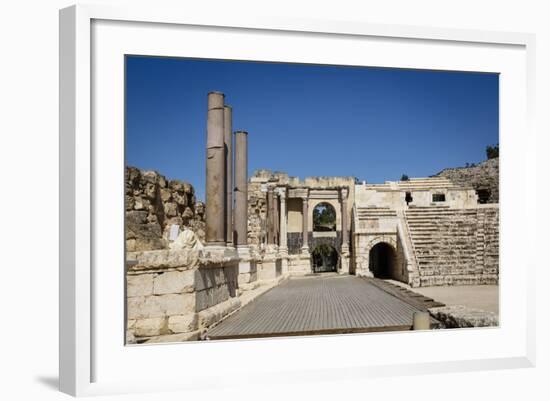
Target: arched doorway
<point>382,260</point>
<point>324,259</point>
<point>324,217</point>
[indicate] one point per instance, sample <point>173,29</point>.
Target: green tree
<point>324,217</point>
<point>492,151</point>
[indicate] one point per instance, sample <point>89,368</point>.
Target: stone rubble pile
<point>458,316</point>
<point>154,204</point>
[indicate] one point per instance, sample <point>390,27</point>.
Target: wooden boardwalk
<point>318,305</point>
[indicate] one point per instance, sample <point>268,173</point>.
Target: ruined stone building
<point>423,232</point>
<point>257,231</point>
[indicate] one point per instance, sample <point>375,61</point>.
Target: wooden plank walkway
<point>318,305</point>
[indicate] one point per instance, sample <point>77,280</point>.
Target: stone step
<point>453,232</point>
<point>417,300</point>
<point>453,256</point>
<point>377,213</point>
<point>460,259</point>
<point>439,216</point>
<point>442,212</point>
<point>374,209</point>
<point>465,259</point>
<point>373,215</point>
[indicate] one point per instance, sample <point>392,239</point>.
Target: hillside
<point>483,177</point>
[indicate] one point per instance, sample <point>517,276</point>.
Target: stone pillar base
<point>247,267</point>
<point>283,254</point>
<point>299,265</point>
<point>344,265</point>
<point>219,250</point>
<point>364,273</point>
<point>270,267</point>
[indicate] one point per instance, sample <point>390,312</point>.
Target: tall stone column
<point>241,188</point>
<point>305,233</point>
<point>345,261</point>
<point>270,216</point>
<point>283,248</point>
<point>344,203</point>
<point>228,142</point>
<point>215,171</point>
<point>282,219</point>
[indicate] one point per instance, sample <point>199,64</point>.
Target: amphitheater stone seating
<point>454,246</point>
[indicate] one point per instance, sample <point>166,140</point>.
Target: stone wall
<point>153,204</point>
<point>257,214</point>
<point>177,295</point>
<point>482,177</point>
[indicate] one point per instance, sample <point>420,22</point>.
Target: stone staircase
<point>374,212</point>
<point>415,299</point>
<point>429,183</point>
<point>446,244</point>
<point>416,184</point>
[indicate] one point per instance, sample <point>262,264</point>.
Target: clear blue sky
<point>372,123</point>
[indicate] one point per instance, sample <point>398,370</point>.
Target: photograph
<point>274,199</point>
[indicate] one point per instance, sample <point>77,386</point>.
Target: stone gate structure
<point>434,232</point>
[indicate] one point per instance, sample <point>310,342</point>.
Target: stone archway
<point>324,259</point>
<point>324,217</point>
<point>383,260</point>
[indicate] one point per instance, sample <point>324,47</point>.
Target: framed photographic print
<point>258,190</point>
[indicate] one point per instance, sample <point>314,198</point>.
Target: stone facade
<point>438,232</point>
<point>483,177</point>
<point>280,213</point>
<point>154,204</point>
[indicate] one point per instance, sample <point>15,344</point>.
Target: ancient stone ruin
<point>154,204</point>
<point>187,269</point>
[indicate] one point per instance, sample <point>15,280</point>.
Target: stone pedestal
<point>247,268</point>
<point>345,261</point>
<point>283,255</point>
<point>271,266</point>
<point>299,265</point>
<point>364,273</point>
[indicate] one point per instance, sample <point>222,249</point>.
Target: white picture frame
<point>85,358</point>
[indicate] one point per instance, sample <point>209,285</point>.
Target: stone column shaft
<point>215,170</point>
<point>305,233</point>
<point>270,217</point>
<point>241,188</point>
<point>345,239</point>
<point>228,141</point>
<point>282,223</point>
